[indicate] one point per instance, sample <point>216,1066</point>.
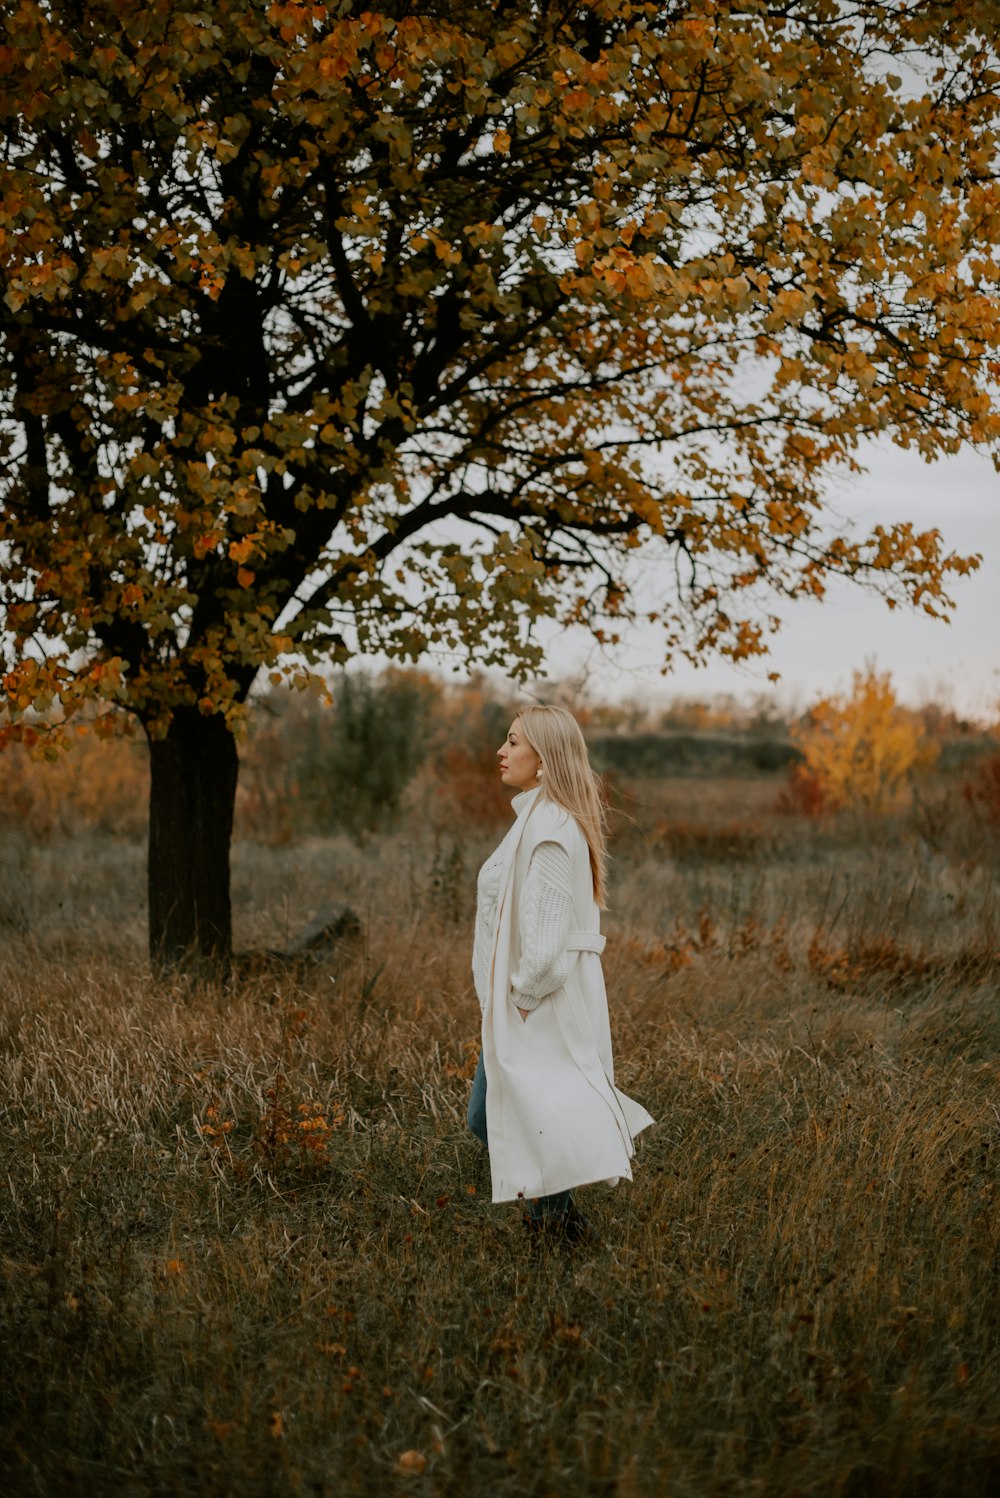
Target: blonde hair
<point>568,780</point>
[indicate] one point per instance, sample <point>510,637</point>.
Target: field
<point>248,1245</point>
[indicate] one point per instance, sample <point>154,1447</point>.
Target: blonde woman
<point>543,1099</point>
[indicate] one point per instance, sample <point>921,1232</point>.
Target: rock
<point>333,927</point>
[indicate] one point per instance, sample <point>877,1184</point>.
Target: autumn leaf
<point>412,1463</point>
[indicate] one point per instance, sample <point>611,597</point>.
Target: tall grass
<point>248,1245</point>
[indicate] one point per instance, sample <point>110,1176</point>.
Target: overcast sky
<point>822,643</point>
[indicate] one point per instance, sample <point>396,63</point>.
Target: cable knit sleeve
<point>545,921</point>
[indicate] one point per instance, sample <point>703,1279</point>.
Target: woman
<point>544,1099</point>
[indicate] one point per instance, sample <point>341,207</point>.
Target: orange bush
<point>803,795</point>
<point>468,790</point>
<point>101,785</point>
<point>859,750</point>
<point>865,959</point>
<point>689,841</point>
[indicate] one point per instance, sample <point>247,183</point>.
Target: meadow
<point>248,1246</point>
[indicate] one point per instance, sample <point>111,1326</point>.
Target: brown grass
<point>798,1293</point>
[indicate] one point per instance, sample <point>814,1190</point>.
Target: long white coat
<point>554,1117</point>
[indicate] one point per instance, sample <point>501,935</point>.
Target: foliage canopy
<point>329,328</point>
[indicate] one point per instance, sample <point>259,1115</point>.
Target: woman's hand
<point>523,1013</point>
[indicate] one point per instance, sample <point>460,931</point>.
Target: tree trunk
<point>192,792</point>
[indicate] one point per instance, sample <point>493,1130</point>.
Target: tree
<point>860,748</point>
<point>332,327</point>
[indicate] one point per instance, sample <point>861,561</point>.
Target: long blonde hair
<point>568,780</point>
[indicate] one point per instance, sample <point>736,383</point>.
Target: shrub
<point>982,790</point>
<point>342,769</point>
<point>803,795</point>
<point>363,757</point>
<point>695,753</point>
<point>859,750</point>
<point>102,785</point>
<point>463,780</point>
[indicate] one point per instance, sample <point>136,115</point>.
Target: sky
<point>821,644</point>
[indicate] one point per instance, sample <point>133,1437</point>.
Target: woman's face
<point>519,764</point>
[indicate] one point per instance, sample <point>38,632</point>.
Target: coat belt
<point>585,941</point>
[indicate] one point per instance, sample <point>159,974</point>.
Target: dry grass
<point>799,1292</point>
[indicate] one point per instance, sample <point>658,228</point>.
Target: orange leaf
<point>412,1462</point>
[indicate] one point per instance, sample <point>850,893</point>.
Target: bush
<point>345,768</point>
<point>100,785</point>
<point>657,754</point>
<point>982,790</point>
<point>861,750</point>
<point>357,763</point>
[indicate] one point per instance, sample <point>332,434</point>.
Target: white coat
<point>554,1117</point>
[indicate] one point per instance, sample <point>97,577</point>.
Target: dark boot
<point>570,1226</point>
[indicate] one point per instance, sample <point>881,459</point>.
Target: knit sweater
<point>545,921</point>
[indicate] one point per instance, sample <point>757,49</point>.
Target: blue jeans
<point>542,1206</point>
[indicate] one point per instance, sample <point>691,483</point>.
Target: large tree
<point>337,327</point>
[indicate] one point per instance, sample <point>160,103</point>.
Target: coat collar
<point>525,800</point>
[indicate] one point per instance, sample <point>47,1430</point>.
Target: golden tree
<point>861,748</point>
<point>332,327</point>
